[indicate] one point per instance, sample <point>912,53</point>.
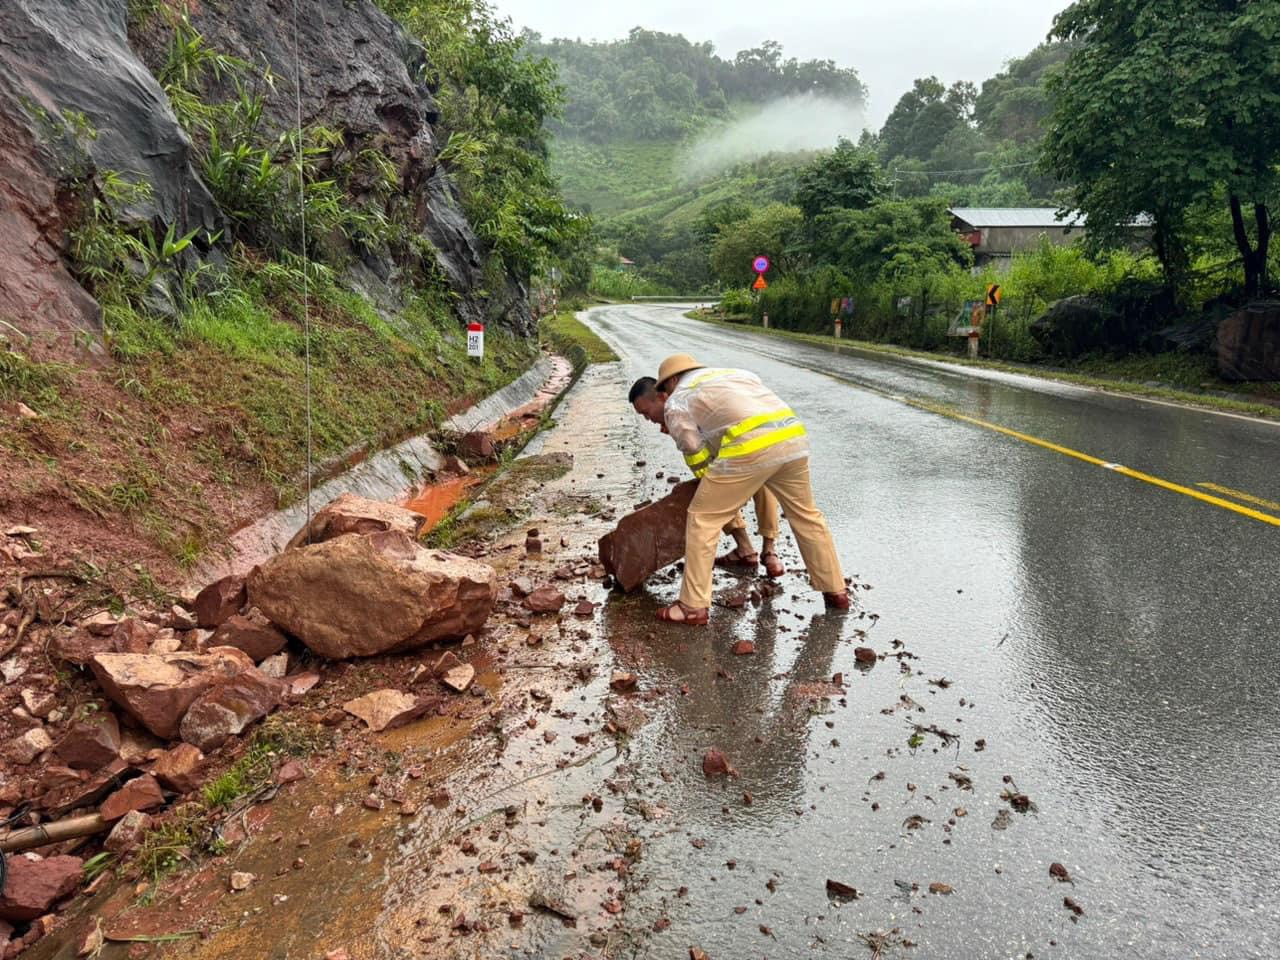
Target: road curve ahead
<point>1099,575</point>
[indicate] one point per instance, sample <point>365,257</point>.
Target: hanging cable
<point>306,266</point>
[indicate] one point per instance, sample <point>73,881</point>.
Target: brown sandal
<point>735,559</point>
<point>773,567</point>
<point>689,616</point>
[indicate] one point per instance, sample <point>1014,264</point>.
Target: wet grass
<point>201,420</point>
<point>191,830</point>
<point>1179,378</point>
<point>565,333</point>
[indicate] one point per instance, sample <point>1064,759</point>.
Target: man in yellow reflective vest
<point>738,436</point>
<point>743,557</point>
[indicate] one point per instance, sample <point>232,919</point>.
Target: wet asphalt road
<point>1116,644</point>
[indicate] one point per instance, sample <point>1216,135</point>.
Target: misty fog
<point>805,122</point>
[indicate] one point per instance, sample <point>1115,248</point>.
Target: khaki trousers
<point>766,516</point>
<point>720,496</point>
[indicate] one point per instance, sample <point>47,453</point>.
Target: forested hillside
<point>641,115</point>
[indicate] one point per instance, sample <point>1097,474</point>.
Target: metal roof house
<point>997,233</point>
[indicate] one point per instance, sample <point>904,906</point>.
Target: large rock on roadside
<point>157,689</point>
<point>352,514</point>
<point>386,709</point>
<point>229,708</point>
<point>649,539</point>
<point>90,744</point>
<point>180,769</point>
<point>35,883</point>
<point>356,596</point>
<point>1249,343</point>
<point>253,633</point>
<point>219,601</point>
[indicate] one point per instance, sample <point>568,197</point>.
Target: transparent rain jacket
<point>727,421</point>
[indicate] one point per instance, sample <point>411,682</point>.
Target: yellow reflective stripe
<point>700,472</point>
<point>746,426</point>
<point>700,457</point>
<point>707,375</point>
<point>744,447</point>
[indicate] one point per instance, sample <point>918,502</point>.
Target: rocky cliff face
<point>60,59</point>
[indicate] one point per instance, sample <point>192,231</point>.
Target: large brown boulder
<point>357,596</point>
<point>352,514</point>
<point>649,539</point>
<point>229,708</point>
<point>157,689</point>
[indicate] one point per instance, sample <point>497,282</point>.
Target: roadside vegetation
<point>199,418</point>
<point>568,335</point>
<point>863,229</point>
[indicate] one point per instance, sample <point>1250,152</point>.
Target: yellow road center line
<point>1098,462</point>
<point>1240,495</point>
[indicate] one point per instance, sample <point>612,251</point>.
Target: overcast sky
<point>890,43</point>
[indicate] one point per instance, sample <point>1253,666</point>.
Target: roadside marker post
<point>475,340</point>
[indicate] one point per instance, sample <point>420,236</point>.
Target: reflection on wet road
<point>1113,641</point>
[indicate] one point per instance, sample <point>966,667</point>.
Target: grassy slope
<point>199,425</point>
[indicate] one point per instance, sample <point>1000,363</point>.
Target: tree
<point>1164,104</point>
<point>923,116</point>
<point>863,242</point>
<point>847,177</point>
<point>773,231</point>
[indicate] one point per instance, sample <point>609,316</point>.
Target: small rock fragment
<point>865,656</point>
<point>938,887</point>
<point>545,599</point>
<point>460,677</point>
<point>241,881</point>
<point>1059,873</point>
<point>743,648</point>
<point>841,890</point>
<point>622,681</point>
<point>716,764</point>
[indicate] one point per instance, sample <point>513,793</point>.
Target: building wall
<point>1004,241</point>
